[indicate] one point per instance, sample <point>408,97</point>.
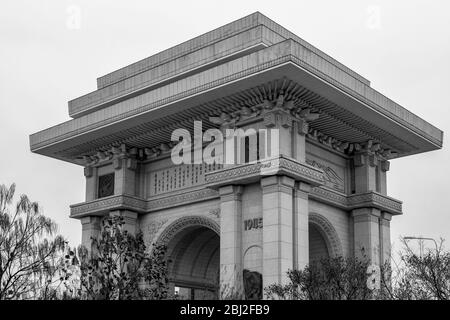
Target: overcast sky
<point>53,51</point>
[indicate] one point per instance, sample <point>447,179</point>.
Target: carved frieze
<point>254,171</point>
<point>179,177</point>
<point>215,212</point>
<point>131,155</point>
<point>153,228</point>
<point>332,236</point>
<point>180,199</point>
<point>106,204</point>
<point>277,111</point>
<point>332,178</point>
<point>184,222</point>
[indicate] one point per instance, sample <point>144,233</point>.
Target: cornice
<point>374,200</point>
<point>89,122</point>
<point>361,200</point>
<point>251,172</point>
<point>124,202</point>
<point>181,199</point>
<point>318,193</point>
<point>102,205</point>
<point>329,196</point>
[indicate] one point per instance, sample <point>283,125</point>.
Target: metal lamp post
<point>422,238</point>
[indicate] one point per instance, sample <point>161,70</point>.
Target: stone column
<point>292,127</point>
<point>91,182</point>
<point>370,169</point>
<point>130,219</point>
<point>277,204</point>
<point>301,223</point>
<point>299,141</point>
<point>385,237</point>
<point>367,234</point>
<point>91,229</point>
<point>125,164</point>
<point>365,164</point>
<point>282,121</point>
<point>229,148</point>
<point>384,168</point>
<point>372,232</point>
<point>371,226</point>
<point>230,241</point>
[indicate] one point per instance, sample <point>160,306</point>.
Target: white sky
<point>48,56</point>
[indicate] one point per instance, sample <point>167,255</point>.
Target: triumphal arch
<point>240,224</point>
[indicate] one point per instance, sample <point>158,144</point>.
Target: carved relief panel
<point>334,167</point>
<point>177,177</point>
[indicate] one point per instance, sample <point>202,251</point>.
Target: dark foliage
<point>328,279</point>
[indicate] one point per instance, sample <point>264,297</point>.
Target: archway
<point>323,239</point>
<point>193,250</point>
<point>318,248</point>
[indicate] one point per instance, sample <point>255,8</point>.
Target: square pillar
<point>300,128</point>
<point>282,121</point>
<point>365,167</point>
<point>91,228</point>
<point>384,168</point>
<point>231,241</point>
<point>91,182</point>
<point>370,168</point>
<point>385,237</point>
<point>130,219</point>
<point>301,225</point>
<point>125,176</point>
<point>367,234</point>
<point>277,204</point>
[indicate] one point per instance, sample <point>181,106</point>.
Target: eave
<point>287,59</point>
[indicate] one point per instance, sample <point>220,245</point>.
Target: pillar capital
<point>385,218</point>
<point>302,126</point>
<point>365,157</point>
<point>126,214</point>
<point>90,221</point>
<point>88,171</point>
<point>366,214</point>
<point>277,183</point>
<point>277,118</point>
<point>385,165</point>
<point>303,187</point>
<point>230,192</point>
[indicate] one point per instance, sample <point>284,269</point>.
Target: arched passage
<point>193,249</point>
<point>323,239</point>
<point>318,248</point>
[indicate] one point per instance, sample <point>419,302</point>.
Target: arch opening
<point>323,239</point>
<point>194,262</point>
<point>318,248</point>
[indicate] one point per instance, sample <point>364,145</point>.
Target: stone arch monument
<point>323,140</point>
